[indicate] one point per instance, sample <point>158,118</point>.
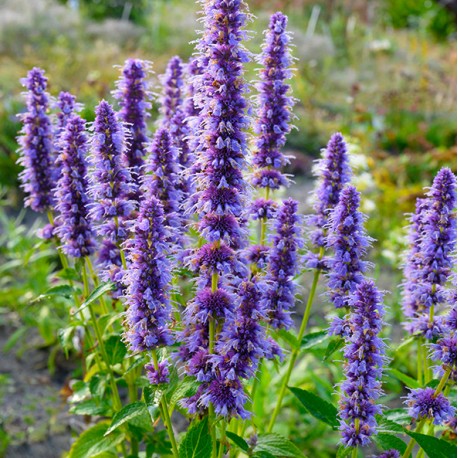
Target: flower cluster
<point>148,279</point>
<point>110,188</point>
<point>349,242</point>
<point>173,85</point>
<point>162,178</point>
<point>36,144</point>
<point>334,173</point>
<point>364,354</point>
<point>74,228</point>
<point>273,123</point>
<point>279,297</point>
<point>426,403</point>
<point>134,97</point>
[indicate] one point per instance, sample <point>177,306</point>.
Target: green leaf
<point>116,349</point>
<point>399,416</point>
<point>263,455</point>
<point>90,407</point>
<point>319,408</point>
<point>389,441</point>
<point>434,447</point>
<point>277,446</point>
<point>343,452</point>
<point>69,274</point>
<point>127,413</point>
<point>98,292</point>
<point>405,343</point>
<point>388,426</point>
<point>239,441</point>
<point>197,443</point>
<point>152,396</point>
<point>59,290</point>
<point>313,338</point>
<point>187,387</point>
<point>334,345</point>
<point>289,338</point>
<point>93,443</point>
<point>408,381</point>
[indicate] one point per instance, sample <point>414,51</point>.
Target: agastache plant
<point>274,116</point>
<point>133,95</point>
<point>36,144</point>
<point>172,90</point>
<point>110,188</point>
<point>364,354</point>
<point>74,226</point>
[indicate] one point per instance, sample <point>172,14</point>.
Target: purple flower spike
<point>110,179</point>
<point>364,354</point>
<point>243,341</point>
<point>148,280</point>
<point>333,172</point>
<point>172,92</point>
<point>134,97</point>
<point>411,295</point>
<point>275,104</point>
<point>283,266</point>
<point>67,106</point>
<point>438,241</point>
<point>162,178</point>
<point>423,403</point>
<point>347,237</point>
<point>73,225</point>
<point>36,144</point>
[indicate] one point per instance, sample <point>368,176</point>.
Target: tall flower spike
<point>364,354</point>
<point>36,144</point>
<point>74,227</point>
<point>220,186</point>
<point>273,123</point>
<point>148,279</point>
<point>438,241</point>
<point>279,297</point>
<point>425,403</point>
<point>172,89</point>
<point>134,97</point>
<point>411,300</point>
<point>333,172</point>
<point>162,178</point>
<point>349,242</point>
<point>110,189</point>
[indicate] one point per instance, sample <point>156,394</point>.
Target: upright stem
<point>211,348</point>
<point>165,413</point>
<point>420,362</point>
<point>114,388</point>
<point>295,352</point>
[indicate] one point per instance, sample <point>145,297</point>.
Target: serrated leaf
<point>263,455</point>
<point>334,345</point>
<point>408,381</point>
<point>237,440</point>
<point>399,416</point>
<point>59,290</point>
<point>319,408</point>
<point>127,413</point>
<point>433,447</point>
<point>314,338</point>
<point>93,442</point>
<point>197,443</point>
<point>388,426</point>
<point>98,292</point>
<point>389,441</point>
<point>277,445</point>
<point>187,387</point>
<point>116,349</point>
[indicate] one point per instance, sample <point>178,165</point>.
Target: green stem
<point>354,452</point>
<point>114,388</point>
<point>95,279</point>
<point>420,362</point>
<point>223,439</point>
<point>295,352</point>
<point>165,413</point>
